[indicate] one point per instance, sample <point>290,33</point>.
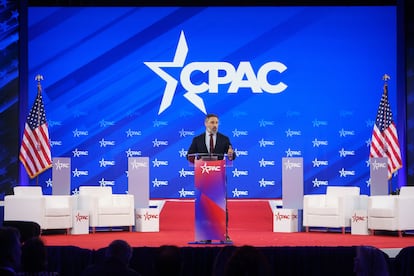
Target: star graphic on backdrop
<point>171,83</point>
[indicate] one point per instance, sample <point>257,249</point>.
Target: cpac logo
<point>104,183</point>
<point>77,173</point>
<point>138,164</point>
<point>356,218</point>
<point>207,169</point>
<point>345,173</point>
<point>378,165</point>
<point>241,77</point>
<point>147,216</point>
<point>318,183</point>
<point>80,217</point>
<point>184,193</point>
<point>280,216</point>
<point>61,165</point>
<point>290,165</point>
<point>159,183</point>
<point>78,153</point>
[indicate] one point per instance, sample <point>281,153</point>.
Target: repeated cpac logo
<point>147,216</point>
<point>356,218</point>
<point>80,217</point>
<point>207,169</point>
<point>217,73</point>
<point>280,216</point>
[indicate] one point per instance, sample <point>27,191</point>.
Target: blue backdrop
<point>285,81</point>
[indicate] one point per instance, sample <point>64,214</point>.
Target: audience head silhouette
<point>116,262</point>
<point>167,261</point>
<point>119,249</point>
<point>10,250</point>
<point>247,260</point>
<point>34,255</point>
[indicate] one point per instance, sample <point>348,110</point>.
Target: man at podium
<point>211,145</point>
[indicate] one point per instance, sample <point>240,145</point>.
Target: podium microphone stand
<point>211,216</point>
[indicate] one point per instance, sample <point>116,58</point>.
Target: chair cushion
<point>381,212</point>
<point>331,201</point>
<point>105,201</point>
<point>57,212</point>
<point>407,191</point>
<point>114,210</point>
<point>95,190</point>
<point>326,211</point>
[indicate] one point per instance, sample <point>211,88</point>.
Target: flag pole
<point>385,78</point>
<point>35,151</point>
<point>38,78</point>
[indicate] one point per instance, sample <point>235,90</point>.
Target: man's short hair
<point>210,115</point>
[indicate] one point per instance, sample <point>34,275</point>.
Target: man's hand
<point>230,153</point>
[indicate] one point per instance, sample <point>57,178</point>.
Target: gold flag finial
<point>39,77</point>
<point>386,77</point>
<point>39,86</point>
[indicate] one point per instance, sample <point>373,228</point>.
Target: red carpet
<point>250,222</point>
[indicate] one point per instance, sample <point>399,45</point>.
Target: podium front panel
<point>138,180</point>
<point>292,182</point>
<point>210,201</point>
<point>61,176</point>
<point>378,171</point>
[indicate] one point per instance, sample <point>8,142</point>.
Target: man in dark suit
<point>220,143</point>
<point>211,144</point>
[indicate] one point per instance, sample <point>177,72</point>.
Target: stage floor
<point>250,223</point>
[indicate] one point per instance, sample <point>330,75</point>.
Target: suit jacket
<point>198,145</point>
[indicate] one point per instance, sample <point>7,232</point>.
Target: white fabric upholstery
<point>333,209</point>
<point>407,191</point>
<point>392,212</point>
<point>105,208</point>
<point>29,204</point>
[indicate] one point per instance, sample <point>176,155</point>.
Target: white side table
<point>147,220</point>
<point>80,223</point>
<point>285,220</point>
<point>359,223</point>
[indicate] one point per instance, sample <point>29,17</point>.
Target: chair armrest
<point>24,208</point>
<point>405,217</point>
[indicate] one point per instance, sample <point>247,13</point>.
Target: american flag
<point>384,141</point>
<point>35,148</point>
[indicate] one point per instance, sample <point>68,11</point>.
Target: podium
<point>210,197</point>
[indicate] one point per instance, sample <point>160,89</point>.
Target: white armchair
<point>105,208</point>
<point>392,212</point>
<point>333,209</point>
<point>29,204</point>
